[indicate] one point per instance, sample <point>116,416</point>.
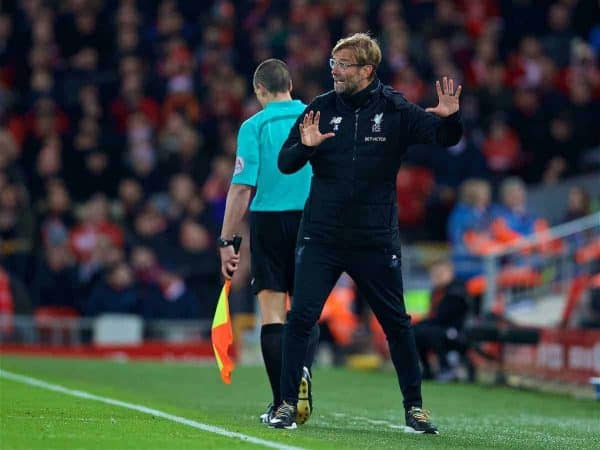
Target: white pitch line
<point>372,421</point>
<point>143,409</point>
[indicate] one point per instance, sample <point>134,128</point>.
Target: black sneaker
<point>268,414</point>
<point>304,406</point>
<point>417,421</point>
<point>284,417</point>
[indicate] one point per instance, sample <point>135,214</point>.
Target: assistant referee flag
<point>222,334</point>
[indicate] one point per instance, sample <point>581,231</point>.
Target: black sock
<point>313,343</point>
<point>270,343</point>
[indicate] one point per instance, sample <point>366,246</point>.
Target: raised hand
<point>447,98</point>
<point>309,130</point>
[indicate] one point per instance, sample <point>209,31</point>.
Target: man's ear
<point>371,71</point>
<point>260,89</point>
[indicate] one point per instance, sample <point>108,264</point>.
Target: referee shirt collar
<point>280,103</point>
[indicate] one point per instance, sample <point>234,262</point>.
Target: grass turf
<point>353,410</point>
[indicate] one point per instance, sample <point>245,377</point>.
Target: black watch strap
<point>222,242</point>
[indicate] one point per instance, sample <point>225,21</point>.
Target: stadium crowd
<point>119,118</point>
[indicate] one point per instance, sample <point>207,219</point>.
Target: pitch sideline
<point>143,409</point>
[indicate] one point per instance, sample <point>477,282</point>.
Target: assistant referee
<point>275,217</point>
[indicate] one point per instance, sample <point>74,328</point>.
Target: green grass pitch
<point>353,410</point>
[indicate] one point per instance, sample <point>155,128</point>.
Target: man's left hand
<point>229,261</point>
<point>447,98</point>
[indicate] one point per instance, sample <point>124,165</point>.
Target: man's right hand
<point>309,130</point>
<point>229,261</point>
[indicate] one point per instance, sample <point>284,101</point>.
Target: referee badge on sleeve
<point>239,165</point>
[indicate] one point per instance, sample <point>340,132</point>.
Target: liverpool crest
<point>377,123</point>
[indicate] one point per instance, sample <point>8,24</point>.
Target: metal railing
<point>536,272</point>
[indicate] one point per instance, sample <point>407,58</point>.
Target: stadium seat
<point>55,323</point>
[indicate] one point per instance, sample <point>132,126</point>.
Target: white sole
<point>411,430</point>
<point>293,426</point>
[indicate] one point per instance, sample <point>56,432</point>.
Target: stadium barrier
<point>529,281</point>
<point>91,338</point>
<point>539,286</point>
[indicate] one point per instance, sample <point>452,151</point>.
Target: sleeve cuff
<point>453,117</point>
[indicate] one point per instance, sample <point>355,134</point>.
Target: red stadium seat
<point>49,326</point>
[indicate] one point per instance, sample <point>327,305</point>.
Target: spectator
<point>117,100</point>
<point>181,192</point>
<point>469,228</point>
<point>199,265</point>
<point>185,150</point>
<point>559,157</point>
<point>578,204</point>
<point>16,229</point>
<point>116,292</point>
<point>129,203</point>
<point>502,148</point>
<point>442,328</point>
<point>49,164</point>
<point>56,218</point>
<point>176,301</point>
<point>511,219</point>
<point>451,166</point>
<point>150,227</point>
<point>147,272</point>
<point>557,43</point>
<point>55,282</point>
<point>94,228</point>
<point>215,188</point>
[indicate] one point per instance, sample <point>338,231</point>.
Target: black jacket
<point>352,201</point>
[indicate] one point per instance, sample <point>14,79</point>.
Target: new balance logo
<point>336,123</point>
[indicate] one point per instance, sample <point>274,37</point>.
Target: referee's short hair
<point>274,75</point>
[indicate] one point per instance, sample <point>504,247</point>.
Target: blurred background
<point>118,124</point>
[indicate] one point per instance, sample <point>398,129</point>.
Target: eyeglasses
<point>342,65</point>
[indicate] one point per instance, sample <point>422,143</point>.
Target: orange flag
<point>222,334</point>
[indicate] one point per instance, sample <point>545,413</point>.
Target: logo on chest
<point>377,119</point>
<point>335,121</point>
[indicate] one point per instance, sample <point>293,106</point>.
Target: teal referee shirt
<point>259,141</point>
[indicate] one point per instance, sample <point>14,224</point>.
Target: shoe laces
<point>285,409</point>
<point>420,415</point>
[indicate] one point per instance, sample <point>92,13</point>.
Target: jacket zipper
<point>354,150</point>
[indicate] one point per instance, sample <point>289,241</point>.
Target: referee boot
<point>268,414</point>
<point>305,406</point>
<point>417,421</point>
<point>285,417</point>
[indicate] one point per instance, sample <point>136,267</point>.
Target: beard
<point>346,86</point>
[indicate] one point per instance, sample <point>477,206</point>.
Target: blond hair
<point>510,184</point>
<point>365,48</point>
<point>472,189</point>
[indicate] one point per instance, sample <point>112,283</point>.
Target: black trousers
<point>378,277</point>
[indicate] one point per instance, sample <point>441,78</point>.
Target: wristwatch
<point>222,242</point>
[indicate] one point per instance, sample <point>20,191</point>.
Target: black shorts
<point>272,246</point>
